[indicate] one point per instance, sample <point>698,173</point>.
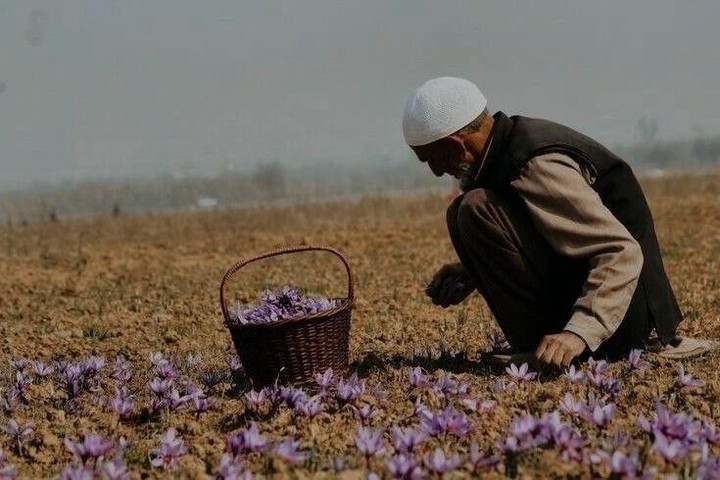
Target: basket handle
<point>282,251</point>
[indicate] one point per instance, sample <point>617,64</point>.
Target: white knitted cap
<point>439,107</point>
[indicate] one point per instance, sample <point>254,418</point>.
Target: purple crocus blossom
<point>350,389</point>
<point>417,378</point>
<point>404,467</point>
<point>438,463</point>
<point>247,440</point>
<point>618,462</point>
<point>232,467</point>
<point>670,449</point>
<point>522,374</point>
<point>477,405</point>
<point>287,450</point>
<point>575,375</point>
<point>599,414</point>
<point>167,454</point>
<point>407,440</point>
<point>637,363</point>
<point>19,364</point>
<point>366,412</point>
<point>482,461</point>
<point>325,380</point>
<point>92,366</point>
<point>92,447</point>
<point>369,441</point>
<point>287,303</point>
<point>122,403</point>
<point>21,385</point>
<point>687,380</point>
<point>234,364</point>
<point>448,420</point>
<point>18,432</point>
<point>309,407</point>
<point>76,473</point>
<point>122,370</point>
<point>42,369</point>
<point>160,386</point>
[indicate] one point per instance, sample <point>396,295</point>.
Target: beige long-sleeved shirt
<point>571,216</point>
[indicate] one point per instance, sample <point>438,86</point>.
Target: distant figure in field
<point>552,229</point>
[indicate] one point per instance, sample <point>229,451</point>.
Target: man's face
<point>441,160</point>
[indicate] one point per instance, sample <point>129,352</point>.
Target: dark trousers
<point>529,287</point>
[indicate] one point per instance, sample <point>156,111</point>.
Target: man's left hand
<point>560,349</point>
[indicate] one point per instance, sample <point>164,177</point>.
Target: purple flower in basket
<point>288,302</point>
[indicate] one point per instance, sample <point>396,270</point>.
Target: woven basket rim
<point>345,305</point>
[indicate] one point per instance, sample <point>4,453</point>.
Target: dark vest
<point>516,140</point>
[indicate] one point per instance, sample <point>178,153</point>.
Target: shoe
<point>687,348</point>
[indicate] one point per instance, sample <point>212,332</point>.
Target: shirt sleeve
<point>571,216</point>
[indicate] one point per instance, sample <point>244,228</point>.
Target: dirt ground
<point>135,286</point>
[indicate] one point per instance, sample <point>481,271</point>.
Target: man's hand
<point>450,285</point>
<point>560,349</point>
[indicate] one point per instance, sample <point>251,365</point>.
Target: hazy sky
<point>100,88</point>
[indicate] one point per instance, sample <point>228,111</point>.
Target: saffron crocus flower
<point>159,386</point>
<point>309,407</point>
<point>122,403</point>
<point>325,380</point>
<point>122,370</point>
<point>92,366</point>
<point>478,405</point>
<point>167,370</point>
<point>522,374</point>
<point>407,440</point>
<point>212,378</point>
<point>115,468</point>
<point>499,386</point>
<point>76,473</point>
<point>366,412</point>
<point>618,462</point>
<point>637,363</point>
<point>438,463</point>
<point>92,447</point>
<point>42,369</point>
<point>350,389</point>
<point>168,453</point>
<point>288,451</point>
<point>369,441</point>
<point>481,461</point>
<point>19,364</point>
<point>448,420</point>
<point>234,364</point>
<point>672,450</point>
<point>600,415</point>
<point>18,433</point>
<point>247,440</point>
<point>21,385</point>
<point>574,375</point>
<point>231,467</point>
<point>574,407</point>
<point>403,467</point>
<point>417,378</point>
<point>686,380</point>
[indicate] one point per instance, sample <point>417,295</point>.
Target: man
<point>552,229</point>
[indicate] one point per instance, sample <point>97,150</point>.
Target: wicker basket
<point>292,350</point>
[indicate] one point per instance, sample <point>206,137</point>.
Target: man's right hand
<point>450,285</point>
